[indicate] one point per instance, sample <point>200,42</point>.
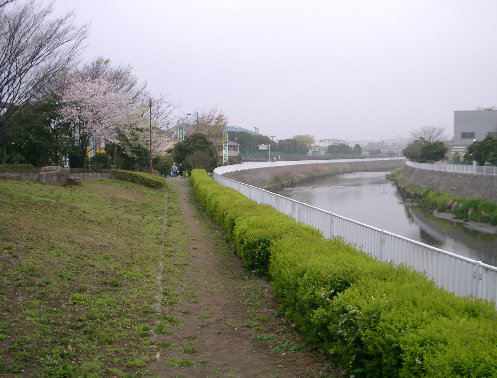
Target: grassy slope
<point>78,269</point>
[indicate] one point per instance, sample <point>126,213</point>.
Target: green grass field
<point>78,270</point>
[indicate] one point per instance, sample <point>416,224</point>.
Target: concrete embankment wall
<point>285,175</point>
<point>457,184</point>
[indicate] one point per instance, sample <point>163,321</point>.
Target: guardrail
<point>457,274</point>
<point>456,168</point>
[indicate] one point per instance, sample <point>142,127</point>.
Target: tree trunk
<point>3,134</point>
<point>84,156</point>
<point>108,156</point>
<point>4,152</point>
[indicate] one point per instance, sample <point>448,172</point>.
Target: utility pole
<point>150,144</point>
<point>196,120</point>
<point>272,139</point>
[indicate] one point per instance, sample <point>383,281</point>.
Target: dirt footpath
<point>216,319</point>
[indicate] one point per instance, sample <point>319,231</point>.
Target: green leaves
<point>141,178</point>
<point>483,151</point>
<point>375,319</point>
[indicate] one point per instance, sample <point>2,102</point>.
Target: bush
<point>76,157</point>
<point>99,161</point>
<point>196,152</point>
<point>89,170</point>
<point>463,208</point>
<point>145,179</point>
<point>163,164</point>
<point>18,168</point>
<point>255,235</point>
<point>374,319</point>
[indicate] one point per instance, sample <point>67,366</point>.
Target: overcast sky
<point>345,69</point>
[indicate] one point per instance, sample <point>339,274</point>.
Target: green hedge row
<point>372,318</point>
<point>90,170</point>
<point>18,168</point>
<point>145,179</point>
<point>463,208</point>
<point>31,168</point>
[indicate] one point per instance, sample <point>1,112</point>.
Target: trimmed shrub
<point>90,170</point>
<point>254,236</point>
<point>18,168</point>
<point>141,178</point>
<point>374,319</point>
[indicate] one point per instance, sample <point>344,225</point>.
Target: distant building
<point>322,144</point>
<point>470,125</point>
<point>233,149</point>
<point>237,129</point>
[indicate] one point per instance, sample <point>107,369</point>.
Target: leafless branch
<point>430,134</point>
<point>5,2</point>
<point>34,50</point>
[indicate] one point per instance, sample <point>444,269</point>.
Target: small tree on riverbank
<point>423,151</point>
<point>483,151</point>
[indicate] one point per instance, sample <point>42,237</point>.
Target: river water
<point>368,197</point>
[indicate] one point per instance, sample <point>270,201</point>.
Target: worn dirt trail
<point>221,320</point>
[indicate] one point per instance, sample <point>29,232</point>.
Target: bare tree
<point>34,50</point>
<point>430,134</point>
<point>162,109</point>
<point>211,124</point>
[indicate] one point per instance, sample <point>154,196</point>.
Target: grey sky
<point>345,69</point>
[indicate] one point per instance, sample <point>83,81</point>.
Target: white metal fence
<point>456,168</point>
<point>458,274</point>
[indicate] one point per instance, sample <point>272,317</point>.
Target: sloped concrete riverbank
<point>272,175</point>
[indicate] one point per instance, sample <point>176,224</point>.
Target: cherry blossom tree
<point>121,77</point>
<point>96,109</point>
<point>123,80</point>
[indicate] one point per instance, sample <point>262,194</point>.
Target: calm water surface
<point>368,197</point>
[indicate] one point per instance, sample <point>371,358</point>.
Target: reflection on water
<point>368,197</point>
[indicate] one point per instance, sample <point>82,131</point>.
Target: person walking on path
<point>180,170</point>
<point>174,170</point>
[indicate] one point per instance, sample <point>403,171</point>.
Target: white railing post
<point>383,246</point>
<point>468,169</point>
<point>477,279</point>
<point>332,225</point>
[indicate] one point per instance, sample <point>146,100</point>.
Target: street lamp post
<point>196,120</point>
<point>272,140</point>
<point>274,152</point>
<point>150,143</point>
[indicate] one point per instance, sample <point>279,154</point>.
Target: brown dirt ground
<point>226,322</point>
